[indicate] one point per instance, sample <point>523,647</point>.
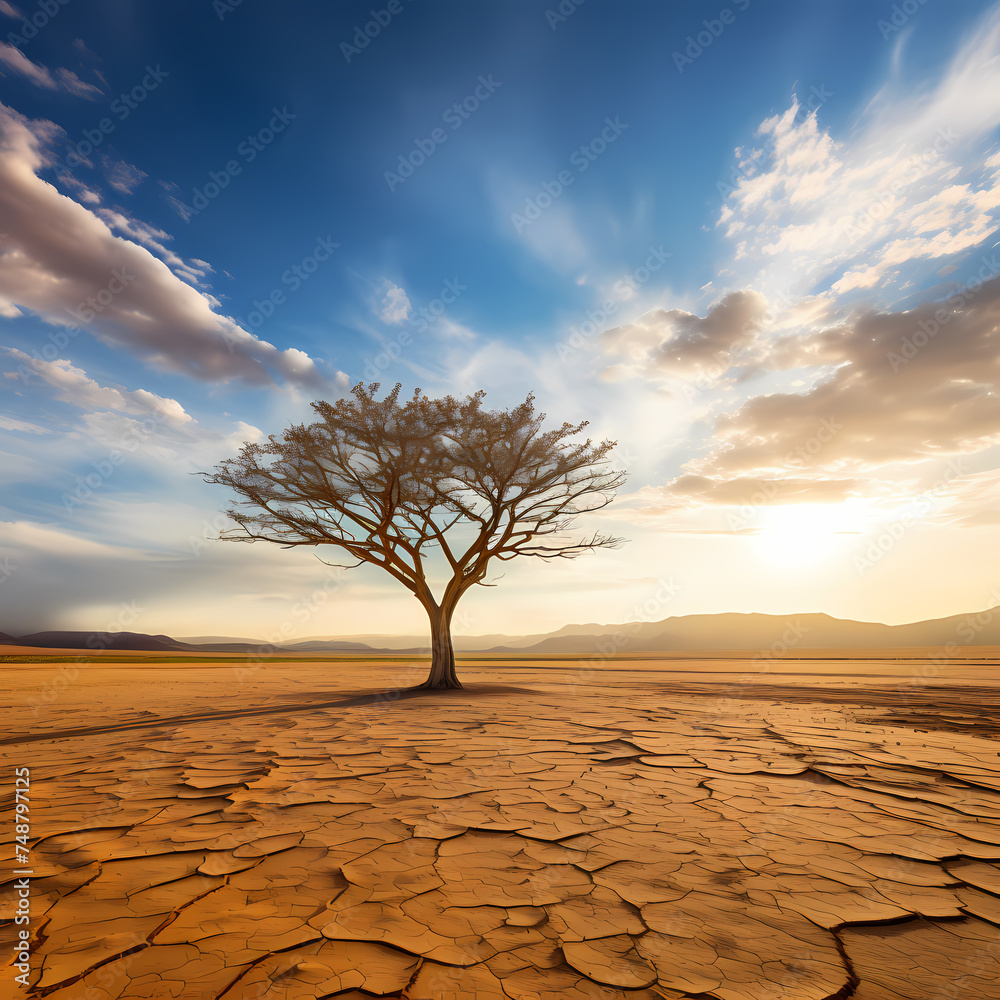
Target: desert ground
<point>711,827</point>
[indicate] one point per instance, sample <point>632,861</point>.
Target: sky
<point>756,245</point>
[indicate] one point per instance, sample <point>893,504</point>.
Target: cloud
<point>63,262</point>
<point>675,342</point>
<point>153,436</point>
<point>971,501</point>
<point>10,424</point>
<point>395,306</point>
<point>900,389</point>
<point>910,185</point>
<point>122,176</point>
<point>555,236</point>
<point>741,492</point>
<point>447,328</point>
<point>181,565</point>
<point>907,386</point>
<point>80,45</point>
<point>17,62</point>
<point>9,9</point>
<point>153,239</point>
<point>47,564</point>
<point>83,192</point>
<point>697,506</point>
<point>73,386</point>
<point>75,85</point>
<point>858,365</point>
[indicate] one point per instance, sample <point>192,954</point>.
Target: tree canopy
<point>389,482</point>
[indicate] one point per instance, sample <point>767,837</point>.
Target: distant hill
<point>755,632</point>
<point>100,640</point>
<point>139,642</point>
<point>472,643</point>
<point>764,632</point>
<point>202,640</point>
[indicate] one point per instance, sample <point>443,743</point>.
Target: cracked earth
<point>650,829</point>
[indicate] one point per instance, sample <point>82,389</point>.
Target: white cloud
<point>10,424</point>
<point>73,386</point>
<point>445,327</point>
<point>395,306</point>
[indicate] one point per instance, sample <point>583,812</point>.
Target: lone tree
<point>384,481</point>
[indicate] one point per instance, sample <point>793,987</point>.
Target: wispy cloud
<point>122,176</point>
<point>17,62</point>
<point>24,426</point>
<point>71,82</point>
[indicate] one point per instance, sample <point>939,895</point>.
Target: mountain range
<point>755,632</point>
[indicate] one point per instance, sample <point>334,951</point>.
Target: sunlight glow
<point>806,534</point>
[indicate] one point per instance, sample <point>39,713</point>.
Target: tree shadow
<point>380,698</point>
<point>384,697</point>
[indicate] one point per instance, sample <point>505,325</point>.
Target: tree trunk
<point>442,674</point>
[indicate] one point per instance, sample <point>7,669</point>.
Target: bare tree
<point>387,481</point>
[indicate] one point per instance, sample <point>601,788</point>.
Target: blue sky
<point>720,233</point>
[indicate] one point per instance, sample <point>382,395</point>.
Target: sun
<point>793,535</point>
